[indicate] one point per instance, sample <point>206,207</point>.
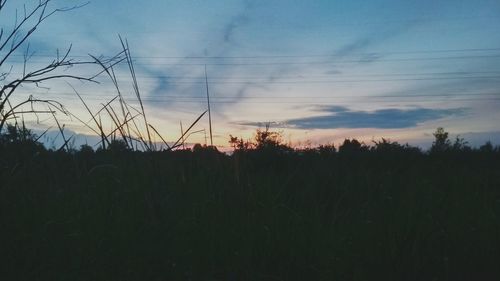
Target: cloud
<point>330,108</point>
<point>161,79</point>
<point>53,138</point>
<point>354,46</point>
<point>367,58</point>
<point>333,72</point>
<point>236,21</point>
<point>341,117</point>
<point>232,25</point>
<point>375,37</point>
<point>164,85</point>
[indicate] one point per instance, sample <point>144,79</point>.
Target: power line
<point>290,56</point>
<point>324,62</point>
<point>299,76</point>
<point>199,81</point>
<point>302,77</point>
<point>111,94</point>
<point>336,81</point>
<point>312,102</point>
<point>308,27</point>
<point>320,76</point>
<point>302,80</point>
<point>279,97</point>
<point>330,81</point>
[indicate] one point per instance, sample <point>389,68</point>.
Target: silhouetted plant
<point>198,148</point>
<point>387,146</point>
<point>11,40</point>
<point>238,144</point>
<point>352,146</point>
<point>270,140</point>
<point>266,139</point>
<point>130,123</point>
<point>86,149</point>
<point>19,139</point>
<point>327,149</point>
<point>487,147</point>
<point>461,145</point>
<point>118,146</point>
<point>15,134</point>
<point>441,142</point>
<point>185,208</point>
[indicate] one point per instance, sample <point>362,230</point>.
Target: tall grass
<point>184,215</point>
<point>131,125</point>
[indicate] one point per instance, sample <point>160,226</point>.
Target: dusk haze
<point>319,71</point>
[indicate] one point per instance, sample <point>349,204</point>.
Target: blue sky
<point>318,70</point>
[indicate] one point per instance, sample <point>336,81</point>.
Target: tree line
<point>19,138</point>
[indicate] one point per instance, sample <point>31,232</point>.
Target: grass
<point>252,216</point>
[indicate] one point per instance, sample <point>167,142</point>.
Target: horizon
<point>320,72</point>
<point>52,139</point>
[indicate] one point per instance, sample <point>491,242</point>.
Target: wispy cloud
<point>356,45</point>
<point>236,21</point>
<point>230,28</point>
<point>376,36</point>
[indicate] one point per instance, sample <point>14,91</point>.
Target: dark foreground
<point>255,216</point>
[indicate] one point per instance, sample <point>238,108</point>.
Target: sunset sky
<point>319,71</point>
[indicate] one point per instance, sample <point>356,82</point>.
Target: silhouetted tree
<point>197,147</point>
<point>270,140</point>
<point>204,148</point>
<point>441,142</point>
<point>15,134</point>
<point>352,146</point>
<point>487,147</point>
<point>385,146</point>
<point>239,144</point>
<point>86,149</point>
<point>267,139</point>
<point>327,149</point>
<point>461,145</point>
<point>118,146</point>
<point>18,138</point>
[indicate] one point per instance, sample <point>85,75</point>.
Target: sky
<point>318,71</point>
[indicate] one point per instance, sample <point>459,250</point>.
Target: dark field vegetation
<point>267,212</point>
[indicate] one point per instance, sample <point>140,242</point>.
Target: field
<point>254,215</point>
